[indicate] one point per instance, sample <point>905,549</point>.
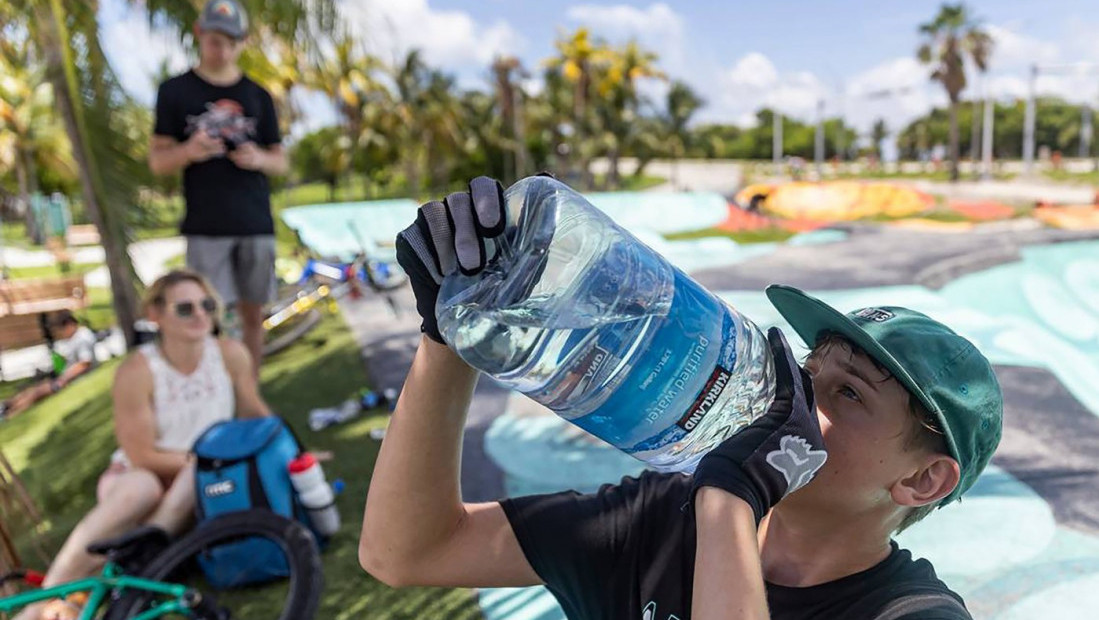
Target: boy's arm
<point>741,479</point>
<point>728,579</point>
<point>72,372</point>
<point>416,530</point>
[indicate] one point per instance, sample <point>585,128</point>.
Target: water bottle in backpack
<point>585,319</point>
<point>315,494</point>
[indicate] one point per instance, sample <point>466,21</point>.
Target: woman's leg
<point>123,505</point>
<point>176,510</point>
<point>125,496</point>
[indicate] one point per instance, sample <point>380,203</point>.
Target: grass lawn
<point>50,271</point>
<point>1083,178</point>
<point>60,447</point>
<point>741,236</point>
<point>630,183</point>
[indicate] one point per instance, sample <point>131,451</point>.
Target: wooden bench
<point>82,234</point>
<point>25,304</point>
<point>36,295</point>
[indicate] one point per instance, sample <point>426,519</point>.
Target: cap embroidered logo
<point>877,315</point>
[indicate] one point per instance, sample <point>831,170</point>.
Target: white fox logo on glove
<point>797,461</point>
<point>649,613</point>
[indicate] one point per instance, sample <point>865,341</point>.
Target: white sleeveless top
<point>186,405</point>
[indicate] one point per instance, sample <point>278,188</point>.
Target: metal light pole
<point>818,146</point>
<point>986,143</point>
<point>1028,124</point>
<point>776,141</point>
<point>1085,131</point>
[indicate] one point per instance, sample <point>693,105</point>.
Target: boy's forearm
<point>275,162</point>
<point>728,581</point>
<point>414,502</point>
<point>165,159</point>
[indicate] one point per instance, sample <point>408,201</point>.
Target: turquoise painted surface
<point>1000,547</point>
<point>327,228</point>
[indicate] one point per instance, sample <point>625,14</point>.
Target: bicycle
<point>319,285</point>
<point>169,585</point>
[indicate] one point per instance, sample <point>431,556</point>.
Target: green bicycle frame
<point>98,588</point>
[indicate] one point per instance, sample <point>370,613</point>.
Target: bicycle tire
<point>306,580</point>
<point>303,326</point>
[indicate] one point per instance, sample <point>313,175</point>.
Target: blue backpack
<point>242,465</point>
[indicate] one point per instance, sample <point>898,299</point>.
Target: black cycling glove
<point>453,235</point>
<point>778,453</point>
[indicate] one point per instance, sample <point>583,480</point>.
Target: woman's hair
<point>155,295</point>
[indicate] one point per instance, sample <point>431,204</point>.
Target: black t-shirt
<point>221,198</point>
<point>627,553</point>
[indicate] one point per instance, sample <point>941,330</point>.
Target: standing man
<point>220,128</point>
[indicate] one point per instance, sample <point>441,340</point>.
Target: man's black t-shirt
<point>221,198</point>
<point>627,553</point>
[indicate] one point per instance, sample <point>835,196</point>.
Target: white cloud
<point>753,71</point>
<point>449,39</point>
<point>754,82</point>
<point>622,19</point>
<point>1011,48</point>
<point>657,28</point>
<point>136,52</point>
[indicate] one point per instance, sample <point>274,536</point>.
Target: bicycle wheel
<point>294,598</point>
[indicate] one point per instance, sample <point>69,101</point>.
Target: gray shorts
<point>240,268</point>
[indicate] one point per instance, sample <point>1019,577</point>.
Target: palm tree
<point>948,40</point>
<point>579,60</point>
<point>28,123</point>
<point>682,105</point>
<point>346,77</point>
<point>506,70</point>
<point>440,118</point>
<point>877,135</point>
<point>619,101</point>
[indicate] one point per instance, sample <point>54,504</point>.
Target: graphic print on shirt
<point>649,613</point>
<point>224,119</point>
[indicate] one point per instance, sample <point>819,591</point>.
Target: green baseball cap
<point>952,379</point>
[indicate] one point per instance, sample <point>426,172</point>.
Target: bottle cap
<point>302,463</point>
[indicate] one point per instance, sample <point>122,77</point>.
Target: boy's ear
<point>937,476</point>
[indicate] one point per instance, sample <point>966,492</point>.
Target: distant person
<point>221,130</point>
<point>74,351</point>
<point>165,394</point>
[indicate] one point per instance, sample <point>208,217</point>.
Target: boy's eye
<point>849,392</point>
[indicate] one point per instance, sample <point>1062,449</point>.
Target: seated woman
<point>75,346</point>
<point>166,394</point>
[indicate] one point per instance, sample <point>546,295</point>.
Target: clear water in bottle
<point>585,319</point>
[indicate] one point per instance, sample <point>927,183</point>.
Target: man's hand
<point>778,453</point>
<point>201,146</point>
<point>454,235</point>
<point>248,156</point>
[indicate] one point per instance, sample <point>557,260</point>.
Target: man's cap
<point>224,16</point>
<point>946,372</point>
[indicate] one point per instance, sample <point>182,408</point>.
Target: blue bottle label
<point>671,388</point>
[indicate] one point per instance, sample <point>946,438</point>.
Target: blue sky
<point>739,55</point>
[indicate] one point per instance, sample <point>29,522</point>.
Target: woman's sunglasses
<point>186,309</point>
